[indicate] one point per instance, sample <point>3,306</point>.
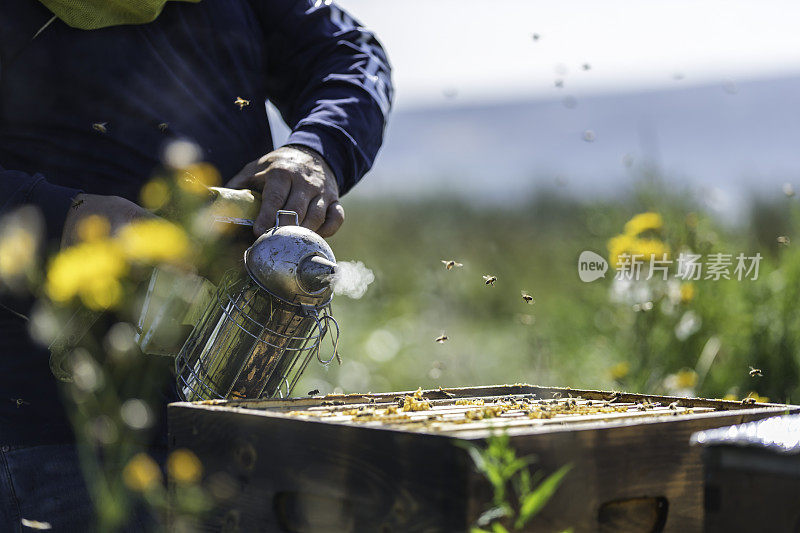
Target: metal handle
<point>285,212</point>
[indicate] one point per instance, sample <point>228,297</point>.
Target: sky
<point>450,52</point>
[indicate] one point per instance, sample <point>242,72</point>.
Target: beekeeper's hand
<point>294,178</point>
<point>116,210</point>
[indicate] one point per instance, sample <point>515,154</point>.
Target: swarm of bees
<point>241,102</point>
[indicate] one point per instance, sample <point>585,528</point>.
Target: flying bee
<point>559,84</point>
<point>163,127</point>
<point>76,204</point>
<point>313,392</point>
<point>489,279</point>
<point>441,338</point>
<point>755,372</point>
<point>450,264</point>
<point>535,36</point>
<point>241,102</point>
<point>528,298</point>
<point>586,66</point>
<point>100,127</point>
<point>784,240</point>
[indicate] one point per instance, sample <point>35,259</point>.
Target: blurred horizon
<point>498,100</point>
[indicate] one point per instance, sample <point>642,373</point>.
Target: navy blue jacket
<point>326,74</point>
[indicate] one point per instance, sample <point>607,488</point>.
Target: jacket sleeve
<point>330,79</point>
<point>20,188</point>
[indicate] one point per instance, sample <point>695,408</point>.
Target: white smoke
<point>351,279</point>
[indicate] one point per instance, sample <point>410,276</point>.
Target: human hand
<point>298,179</point>
<point>116,210</point>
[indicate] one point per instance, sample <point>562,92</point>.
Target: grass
<point>575,334</point>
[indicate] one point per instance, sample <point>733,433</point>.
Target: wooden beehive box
<point>337,464</point>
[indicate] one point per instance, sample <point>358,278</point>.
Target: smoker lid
<point>275,261</point>
<point>780,434</point>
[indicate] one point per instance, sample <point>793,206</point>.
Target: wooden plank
<point>291,475</point>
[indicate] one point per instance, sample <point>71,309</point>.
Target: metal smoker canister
<point>266,322</point>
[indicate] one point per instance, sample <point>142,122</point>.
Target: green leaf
<point>537,499</point>
<point>478,530</point>
<point>497,527</point>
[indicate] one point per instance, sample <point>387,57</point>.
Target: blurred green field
<point>575,334</point>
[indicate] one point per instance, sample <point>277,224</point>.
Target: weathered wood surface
<point>281,473</point>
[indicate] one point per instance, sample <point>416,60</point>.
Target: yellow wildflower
<point>91,270</point>
<point>643,222</point>
<point>620,370</point>
<point>154,241</point>
<point>687,292</point>
<point>184,467</point>
<point>155,194</point>
<point>634,246</point>
<point>141,473</point>
<point>686,378</point>
<point>93,228</point>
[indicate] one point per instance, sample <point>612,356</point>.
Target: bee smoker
<point>266,321</point>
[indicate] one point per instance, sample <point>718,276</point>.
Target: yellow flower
<point>141,473</point>
<point>628,244</point>
<point>154,241</point>
<point>687,292</point>
<point>93,228</point>
<point>184,467</point>
<point>686,379</point>
<point>643,222</point>
<point>620,370</point>
<point>155,194</point>
<point>91,270</point>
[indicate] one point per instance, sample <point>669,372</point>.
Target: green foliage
<point>575,334</point>
<point>516,495</point>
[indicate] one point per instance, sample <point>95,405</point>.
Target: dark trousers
<point>43,484</point>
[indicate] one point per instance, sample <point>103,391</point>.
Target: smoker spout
<point>314,273</point>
